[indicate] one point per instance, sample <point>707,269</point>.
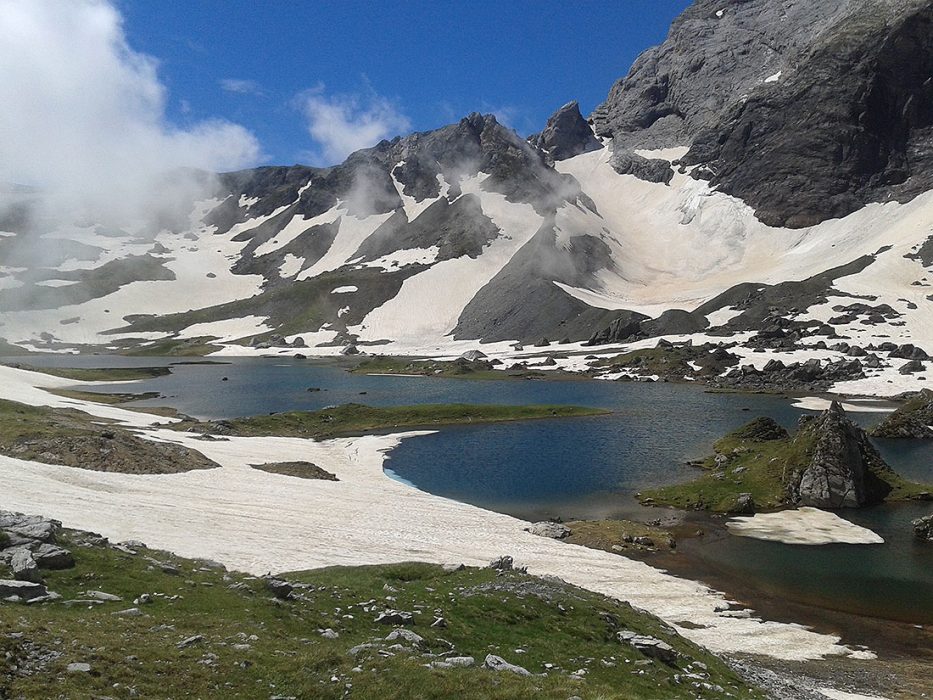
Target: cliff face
<point>806,111</point>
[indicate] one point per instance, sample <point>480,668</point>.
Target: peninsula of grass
<point>204,632</point>
<point>763,460</point>
<point>451,369</point>
<point>356,419</point>
<point>99,374</point>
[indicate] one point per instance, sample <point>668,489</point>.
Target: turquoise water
<point>585,467</point>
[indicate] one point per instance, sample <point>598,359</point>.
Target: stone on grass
<point>497,663</point>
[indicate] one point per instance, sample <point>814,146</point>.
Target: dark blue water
<point>586,467</point>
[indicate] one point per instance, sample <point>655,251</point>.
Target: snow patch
<point>807,526</point>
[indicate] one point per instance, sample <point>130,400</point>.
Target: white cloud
<point>83,114</point>
<point>242,87</point>
<point>341,124</point>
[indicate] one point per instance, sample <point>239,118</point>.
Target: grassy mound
<point>210,633</point>
<point>75,439</point>
<point>357,419</point>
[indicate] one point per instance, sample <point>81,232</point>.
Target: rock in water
<point>838,472</point>
<point>923,528</point>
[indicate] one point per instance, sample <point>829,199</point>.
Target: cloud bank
<point>341,124</point>
<point>83,114</point>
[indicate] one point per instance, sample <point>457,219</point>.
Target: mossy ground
<point>357,419</point>
<point>254,646</point>
<point>617,535</point>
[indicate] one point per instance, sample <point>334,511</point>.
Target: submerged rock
<point>923,528</point>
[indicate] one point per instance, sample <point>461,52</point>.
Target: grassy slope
<point>761,466</point>
<point>356,419</point>
<point>285,654</point>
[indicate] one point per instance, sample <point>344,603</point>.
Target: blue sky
<point>282,68</point>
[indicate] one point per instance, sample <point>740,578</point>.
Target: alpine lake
<point>588,468</point>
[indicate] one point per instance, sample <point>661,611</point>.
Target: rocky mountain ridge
<point>703,198</point>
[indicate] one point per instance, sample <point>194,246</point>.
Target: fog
<point>84,121</point>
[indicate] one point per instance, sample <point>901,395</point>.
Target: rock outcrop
<point>841,459</point>
<point>566,134</point>
<point>912,420</point>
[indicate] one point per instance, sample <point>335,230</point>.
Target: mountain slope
<point>769,164</point>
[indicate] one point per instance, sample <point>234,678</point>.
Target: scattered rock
<point>190,641</point>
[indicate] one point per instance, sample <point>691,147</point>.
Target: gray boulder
<point>22,590</point>
<point>649,646</point>
<point>24,567</point>
<point>497,663</point>
<point>556,531</point>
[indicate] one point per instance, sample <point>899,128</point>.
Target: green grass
<point>100,374</point>
<point>285,655</point>
<point>357,419</point>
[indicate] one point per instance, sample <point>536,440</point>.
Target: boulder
<point>24,567</point>
<point>23,590</point>
<point>405,635</point>
<point>279,588</point>
<point>497,663</point>
<point>911,367</point>
<point>556,531</point>
<point>649,646</point>
<point>503,563</point>
<point>744,504</point>
<point>50,556</point>
<point>395,617</point>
